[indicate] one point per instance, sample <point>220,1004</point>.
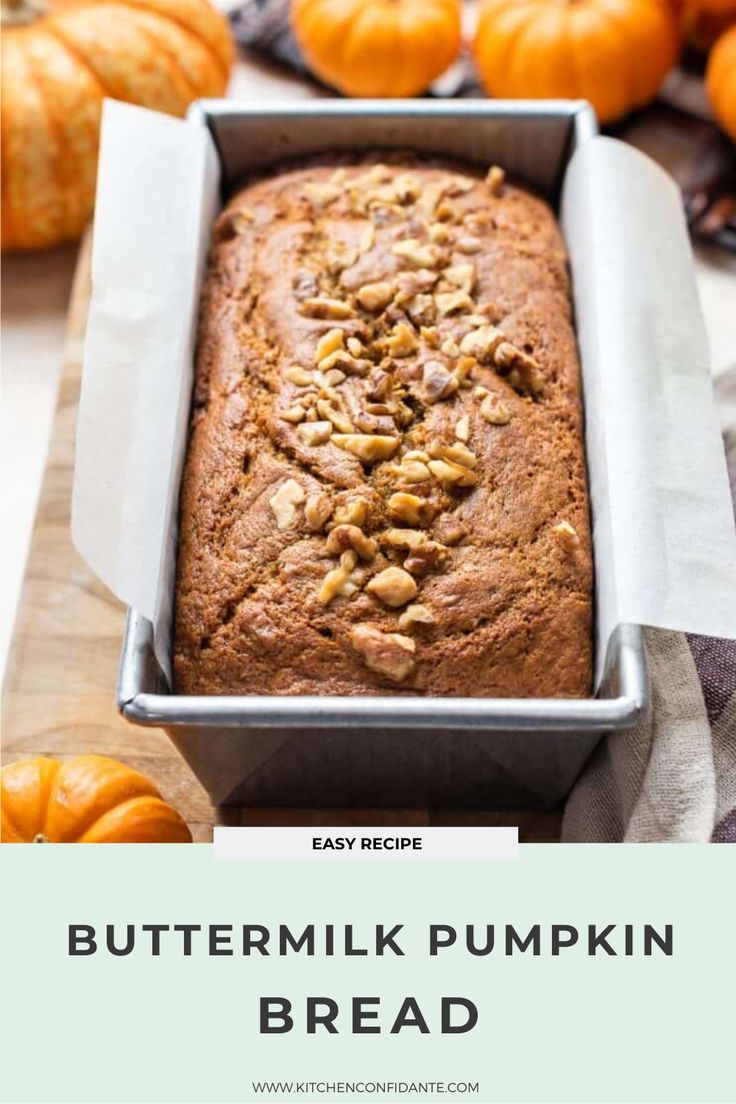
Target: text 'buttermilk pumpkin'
<point>614,53</point>
<point>60,59</point>
<point>87,799</point>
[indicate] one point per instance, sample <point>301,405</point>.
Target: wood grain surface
<point>60,681</point>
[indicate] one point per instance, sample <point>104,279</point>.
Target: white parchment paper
<point>663,525</point>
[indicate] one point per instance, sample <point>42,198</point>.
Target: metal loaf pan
<point>389,751</point>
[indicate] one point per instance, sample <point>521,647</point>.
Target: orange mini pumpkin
<point>720,80</point>
<point>378,47</point>
<point>88,799</point>
<point>614,53</point>
<point>702,21</point>
<point>60,58</point>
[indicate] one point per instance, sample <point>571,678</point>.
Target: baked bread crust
<point>315,556</point>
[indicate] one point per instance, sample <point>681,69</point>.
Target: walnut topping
<point>494,411</point>
<point>388,654</point>
<point>457,453</point>
<point>431,195</point>
<point>409,284</point>
<point>468,244</point>
<point>367,238</point>
<point>450,529</point>
<point>418,254</point>
<point>452,475</point>
<point>294,414</point>
<point>401,341</point>
<point>416,614</point>
<point>403,539</point>
<point>565,531</point>
<point>367,422</point>
<point>462,276</point>
<point>355,347</point>
<point>369,448</point>
<point>343,537</point>
<point>439,232</point>
<point>315,433</point>
<point>284,503</point>
<point>381,385</point>
<point>412,471</point>
<point>321,195</point>
<point>437,382</point>
<point>525,374</point>
<point>426,557</point>
<point>328,343</point>
<point>462,429</point>
<point>353,512</point>
<point>450,347</point>
<point>339,420</point>
<point>316,511</point>
<point>338,581</point>
<point>448,302</point>
<point>394,586</point>
<point>407,509</point>
<point>299,376</point>
<point>319,307</point>
<point>495,179</point>
<point>333,377</point>
<point>421,309</point>
<point>374,297</point>
<point>345,362</point>
<point>407,188</point>
<point>482,343</point>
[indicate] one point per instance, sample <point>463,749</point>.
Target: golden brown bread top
<point>385,484</point>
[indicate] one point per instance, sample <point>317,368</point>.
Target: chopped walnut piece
<point>566,531</point>
<point>367,238</point>
<point>298,376</point>
<point>401,341</point>
<point>450,301</point>
<point>339,420</point>
<point>374,297</point>
<point>462,429</point>
<point>388,654</point>
<point>482,343</point>
<point>328,343</point>
<point>462,276</point>
<point>480,392</point>
<point>439,232</point>
<point>369,448</point>
<point>421,309</point>
<point>284,503</point>
<point>354,512</point>
<point>374,423</point>
<point>403,539</point>
<point>314,433</point>
<point>426,557</point>
<point>316,511</point>
<point>355,347</point>
<point>333,377</point>
<point>463,368</point>
<point>381,385</point>
<point>495,179</point>
<point>431,195</point>
<point>407,187</point>
<point>346,362</point>
<point>437,382</point>
<point>409,284</point>
<point>343,537</point>
<point>422,255</point>
<point>321,195</point>
<point>450,529</point>
<point>294,414</point>
<point>394,586</point>
<point>412,471</point>
<point>408,509</point>
<point>338,581</point>
<point>526,373</point>
<point>457,453</point>
<point>416,614</point>
<point>450,347</point>
<point>467,243</point>
<point>452,475</point>
<point>493,411</point>
<point>445,211</point>
<point>321,307</point>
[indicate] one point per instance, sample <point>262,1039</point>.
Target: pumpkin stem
<point>19,13</point>
<point>40,838</point>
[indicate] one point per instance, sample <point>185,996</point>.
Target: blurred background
<point>660,73</point>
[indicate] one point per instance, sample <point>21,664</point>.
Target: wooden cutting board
<point>62,669</point>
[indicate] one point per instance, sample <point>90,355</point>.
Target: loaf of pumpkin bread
<point>385,485</point>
